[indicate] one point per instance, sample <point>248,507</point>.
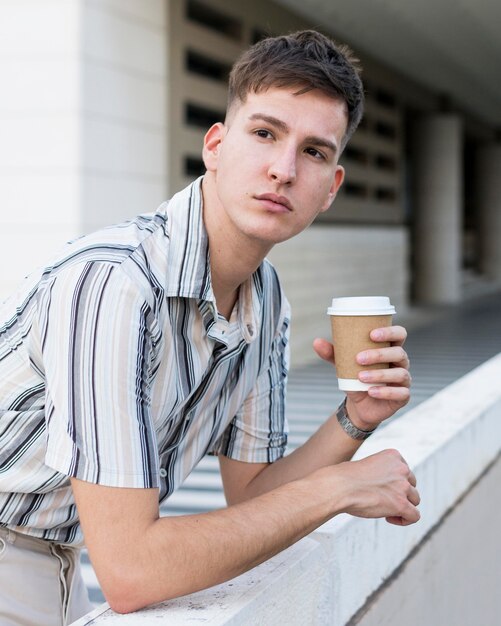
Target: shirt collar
<point>189,263</point>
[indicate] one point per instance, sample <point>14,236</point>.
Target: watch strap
<point>348,426</point>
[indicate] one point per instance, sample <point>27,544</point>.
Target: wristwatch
<point>348,426</point>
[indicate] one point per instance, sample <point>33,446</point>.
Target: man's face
<point>274,162</point>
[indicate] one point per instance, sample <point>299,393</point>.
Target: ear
<point>212,143</point>
<point>336,183</point>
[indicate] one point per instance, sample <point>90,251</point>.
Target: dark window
<point>386,194</point>
<point>215,20</point>
<point>384,129</point>
<point>356,155</point>
<point>385,162</point>
<point>258,34</point>
<point>356,190</point>
<point>193,166</point>
<point>364,123</point>
<point>385,98</point>
<point>201,65</point>
<point>200,116</point>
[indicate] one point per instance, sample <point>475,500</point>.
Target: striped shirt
<point>116,368</point>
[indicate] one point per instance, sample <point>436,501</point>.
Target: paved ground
<point>443,345</point>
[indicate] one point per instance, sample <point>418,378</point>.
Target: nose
<point>282,169</point>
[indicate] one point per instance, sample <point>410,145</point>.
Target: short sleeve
<point>98,334</point>
<point>258,432</point>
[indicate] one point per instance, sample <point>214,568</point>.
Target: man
<point>145,346</point>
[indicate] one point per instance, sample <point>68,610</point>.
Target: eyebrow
<point>283,127</point>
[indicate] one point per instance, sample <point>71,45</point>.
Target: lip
<point>275,201</point>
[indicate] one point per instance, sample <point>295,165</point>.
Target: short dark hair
<point>306,59</point>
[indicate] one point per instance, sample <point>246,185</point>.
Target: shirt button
<point>163,472</point>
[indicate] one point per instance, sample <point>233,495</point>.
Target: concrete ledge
<point>448,440</point>
<point>255,597</point>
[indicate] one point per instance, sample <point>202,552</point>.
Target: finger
<point>324,349</point>
<point>394,334</point>
<point>412,479</point>
<point>393,355</point>
<point>399,521</point>
<point>400,395</point>
<point>411,516</point>
<point>398,376</point>
<point>413,496</point>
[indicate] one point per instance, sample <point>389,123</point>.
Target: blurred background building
<point>105,103</point>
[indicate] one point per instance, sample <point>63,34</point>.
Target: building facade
<point>104,108</point>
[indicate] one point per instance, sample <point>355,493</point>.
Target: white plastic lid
<point>361,305</point>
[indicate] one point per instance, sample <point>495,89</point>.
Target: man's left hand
<point>367,409</point>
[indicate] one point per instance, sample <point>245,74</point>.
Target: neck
<point>233,258</point>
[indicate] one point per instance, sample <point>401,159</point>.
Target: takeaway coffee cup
<point>352,320</point>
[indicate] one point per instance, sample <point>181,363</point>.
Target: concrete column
<point>438,208</point>
<point>39,131</point>
<point>488,185</point>
<point>123,105</point>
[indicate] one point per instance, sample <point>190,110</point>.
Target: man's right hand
<point>381,485</point>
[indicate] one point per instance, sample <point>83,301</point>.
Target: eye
<point>315,153</point>
<point>263,133</point>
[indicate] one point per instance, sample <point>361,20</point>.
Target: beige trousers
<point>40,582</point>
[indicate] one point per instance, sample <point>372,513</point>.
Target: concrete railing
<point>325,579</point>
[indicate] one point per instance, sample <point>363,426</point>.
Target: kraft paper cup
<point>352,320</point>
